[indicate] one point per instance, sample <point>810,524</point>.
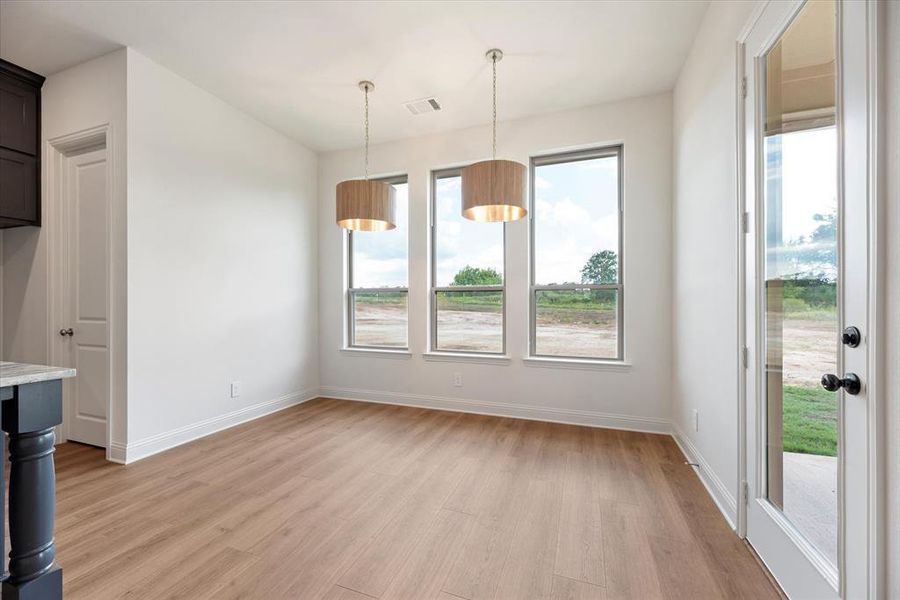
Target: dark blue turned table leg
<point>29,417</point>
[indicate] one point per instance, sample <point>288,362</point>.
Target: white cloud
<point>379,272</point>
<point>541,184</point>
<point>562,212</point>
<point>607,231</point>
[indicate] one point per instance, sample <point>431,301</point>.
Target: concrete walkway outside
<point>810,499</point>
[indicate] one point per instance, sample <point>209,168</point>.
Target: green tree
<point>476,276</point>
<point>601,268</point>
<point>809,264</point>
<point>814,257</point>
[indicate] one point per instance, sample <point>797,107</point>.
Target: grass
<point>810,421</point>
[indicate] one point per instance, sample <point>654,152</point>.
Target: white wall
<point>222,254</point>
<point>83,97</point>
<point>705,251</point>
<point>634,398</point>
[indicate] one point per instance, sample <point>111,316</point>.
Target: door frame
<point>58,150</point>
<point>747,242</point>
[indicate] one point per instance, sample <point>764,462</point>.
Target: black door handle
<point>851,383</point>
<point>851,337</point>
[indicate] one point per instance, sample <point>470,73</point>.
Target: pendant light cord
<point>367,132</point>
<point>494,116</point>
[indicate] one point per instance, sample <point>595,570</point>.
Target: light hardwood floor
<point>353,501</point>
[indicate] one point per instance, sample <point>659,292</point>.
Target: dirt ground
<point>380,325</point>
<point>809,344</point>
<point>810,351</point>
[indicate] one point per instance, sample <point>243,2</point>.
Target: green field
<point>555,305</point>
<point>810,421</point>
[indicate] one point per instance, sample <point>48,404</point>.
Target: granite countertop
<point>18,373</point>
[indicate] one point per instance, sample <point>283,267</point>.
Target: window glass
<point>380,318</point>
<point>461,243</point>
<point>577,285</point>
<point>381,258</point>
<point>379,271</point>
<point>576,221</point>
<point>577,322</point>
<point>467,291</point>
<point>470,321</point>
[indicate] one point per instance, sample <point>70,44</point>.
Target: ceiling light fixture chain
<point>494,115</point>
<point>366,90</point>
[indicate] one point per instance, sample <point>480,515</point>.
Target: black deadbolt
<point>851,337</point>
<point>850,383</point>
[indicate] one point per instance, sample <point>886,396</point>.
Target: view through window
<point>379,272</point>
<point>576,292</point>
<point>467,274</point>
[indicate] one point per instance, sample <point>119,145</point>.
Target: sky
<point>576,216</point>
<point>808,186</point>
<point>809,179</point>
<point>380,258</point>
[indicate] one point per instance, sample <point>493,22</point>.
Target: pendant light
<point>494,190</point>
<point>364,205</point>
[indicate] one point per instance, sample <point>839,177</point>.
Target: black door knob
<point>851,337</point>
<point>851,383</point>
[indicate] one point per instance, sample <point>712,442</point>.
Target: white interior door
<point>807,183</point>
<point>85,330</point>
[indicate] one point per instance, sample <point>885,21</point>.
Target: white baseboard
<point>720,493</point>
<point>135,451</point>
<point>116,453</point>
<point>504,409</point>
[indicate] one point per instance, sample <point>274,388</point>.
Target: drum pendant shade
<point>494,190</point>
<point>363,205</point>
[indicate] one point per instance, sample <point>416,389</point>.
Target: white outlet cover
<point>235,389</point>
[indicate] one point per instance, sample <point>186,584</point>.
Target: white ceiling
<point>295,65</point>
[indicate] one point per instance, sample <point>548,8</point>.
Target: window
<point>576,255</point>
<point>467,289</point>
<point>378,275</point>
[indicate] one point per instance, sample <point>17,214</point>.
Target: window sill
<point>576,363</point>
<point>377,353</point>
<point>488,359</point>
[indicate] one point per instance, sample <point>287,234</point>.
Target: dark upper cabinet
<point>18,186</point>
<point>18,117</point>
<point>20,143</point>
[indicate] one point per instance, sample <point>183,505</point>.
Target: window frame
<point>350,291</point>
<point>434,289</point>
<point>617,150</point>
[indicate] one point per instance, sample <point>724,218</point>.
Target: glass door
<point>807,429</point>
<point>800,300</point>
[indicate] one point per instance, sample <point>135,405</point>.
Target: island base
<point>48,585</point>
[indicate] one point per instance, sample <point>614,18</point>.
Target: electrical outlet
<point>696,419</point>
<point>235,389</point>
<point>457,379</point>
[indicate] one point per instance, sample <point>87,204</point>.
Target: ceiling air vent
<point>422,106</point>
